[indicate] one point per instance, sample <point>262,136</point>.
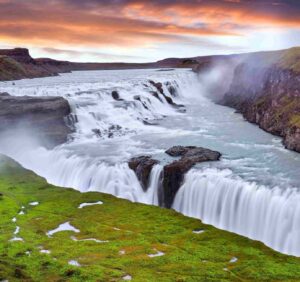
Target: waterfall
<point>109,132</point>
<point>219,198</point>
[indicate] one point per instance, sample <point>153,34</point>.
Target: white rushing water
<point>253,190</point>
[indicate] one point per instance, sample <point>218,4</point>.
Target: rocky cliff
<point>266,90</point>
<point>44,118</point>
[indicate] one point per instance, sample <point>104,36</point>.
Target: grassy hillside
<point>290,59</point>
<point>128,234</point>
<point>10,69</point>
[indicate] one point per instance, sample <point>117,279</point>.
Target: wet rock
<point>194,153</point>
<point>157,85</point>
<point>115,95</point>
<point>174,172</point>
<point>169,100</point>
<point>44,117</point>
<point>97,132</point>
<point>155,94</point>
<point>142,166</point>
<point>149,122</point>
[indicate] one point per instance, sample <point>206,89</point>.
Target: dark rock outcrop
<point>142,166</point>
<point>174,172</point>
<point>43,117</point>
<point>116,96</point>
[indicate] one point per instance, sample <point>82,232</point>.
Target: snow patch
<point>198,231</point>
<point>45,252</point>
<point>89,239</point>
<point>15,239</point>
<point>63,227</point>
<point>158,254</point>
<point>89,204</point>
<point>17,230</point>
<point>74,263</point>
<point>34,203</point>
<point>127,277</point>
<point>233,260</point>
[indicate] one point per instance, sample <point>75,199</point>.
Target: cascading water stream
<point>227,202</point>
<point>109,132</point>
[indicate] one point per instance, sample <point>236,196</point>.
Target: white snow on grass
<point>198,231</point>
<point>74,263</point>
<point>122,252</point>
<point>15,239</point>
<point>63,227</point>
<point>158,254</point>
<point>89,204</point>
<point>233,260</point>
<point>34,203</point>
<point>45,252</point>
<point>88,239</point>
<point>17,230</point>
<point>127,277</point>
<point>14,219</point>
<point>21,213</point>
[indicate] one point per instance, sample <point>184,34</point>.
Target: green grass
<point>137,229</point>
<point>290,59</point>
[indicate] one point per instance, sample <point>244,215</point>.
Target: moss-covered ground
<point>130,233</point>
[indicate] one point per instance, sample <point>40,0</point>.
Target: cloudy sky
<point>141,31</point>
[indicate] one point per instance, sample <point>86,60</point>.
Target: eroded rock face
<point>173,173</point>
<point>45,118</point>
<point>269,97</point>
<point>142,166</point>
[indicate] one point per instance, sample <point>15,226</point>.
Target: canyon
<point>140,134</point>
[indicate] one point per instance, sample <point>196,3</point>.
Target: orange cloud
<point>137,23</point>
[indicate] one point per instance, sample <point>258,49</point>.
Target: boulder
<point>115,95</point>
<point>46,118</point>
<point>174,172</point>
<point>142,166</point>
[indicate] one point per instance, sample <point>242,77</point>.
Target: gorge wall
<point>266,90</point>
<point>46,118</point>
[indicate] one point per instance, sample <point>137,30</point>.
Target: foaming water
<point>253,190</point>
<point>228,202</point>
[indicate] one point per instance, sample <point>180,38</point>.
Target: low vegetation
<point>290,59</point>
<point>10,69</point>
<point>113,240</point>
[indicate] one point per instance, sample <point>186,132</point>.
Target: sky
<point>146,31</point>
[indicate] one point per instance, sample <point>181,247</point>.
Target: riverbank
<point>116,240</point>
